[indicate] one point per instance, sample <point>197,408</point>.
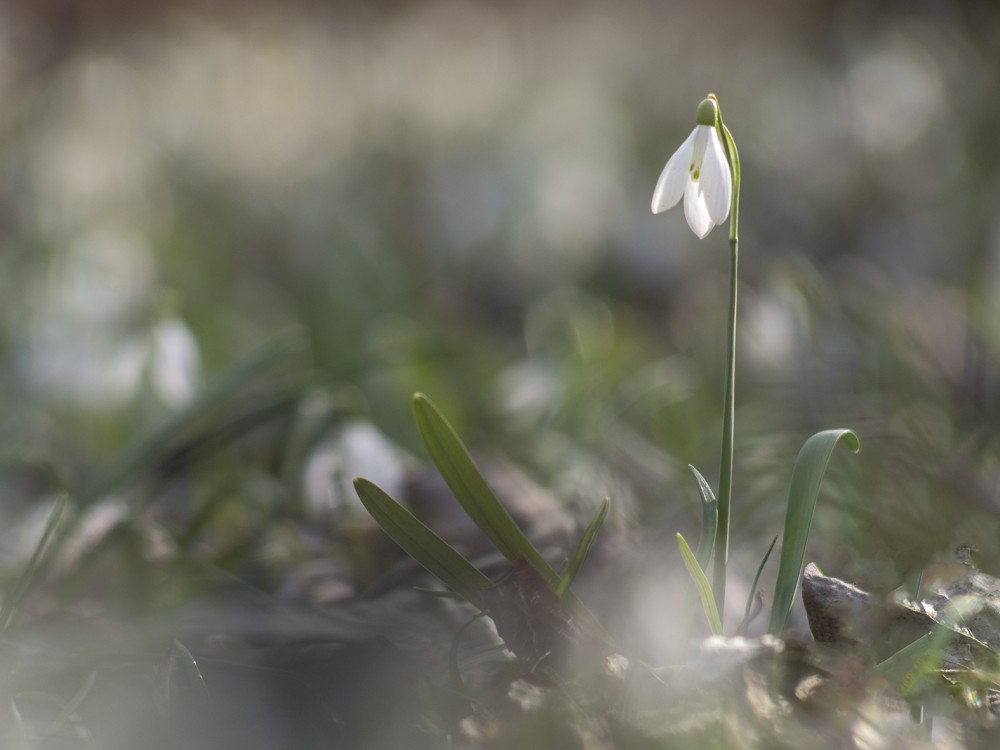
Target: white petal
<point>175,363</point>
<point>673,178</point>
<point>716,179</point>
<point>696,210</point>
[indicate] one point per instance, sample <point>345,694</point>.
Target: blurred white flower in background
<point>355,449</point>
<point>897,94</point>
<point>80,346</point>
<point>90,340</point>
<point>174,362</point>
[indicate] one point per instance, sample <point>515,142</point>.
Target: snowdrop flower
<point>174,362</point>
<point>698,171</point>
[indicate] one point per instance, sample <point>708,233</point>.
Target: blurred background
<point>453,198</point>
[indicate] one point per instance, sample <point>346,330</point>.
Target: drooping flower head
<point>699,172</point>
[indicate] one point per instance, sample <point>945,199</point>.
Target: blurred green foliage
<point>453,198</point>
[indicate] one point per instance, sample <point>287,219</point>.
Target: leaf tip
<point>854,442</point>
<point>850,439</point>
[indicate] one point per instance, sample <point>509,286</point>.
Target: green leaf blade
<point>44,551</point>
<point>469,486</point>
<point>422,544</point>
<point>807,476</point>
<point>709,520</point>
<point>753,586</point>
<point>701,583</point>
<point>584,547</point>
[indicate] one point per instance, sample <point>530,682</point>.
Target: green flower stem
<point>728,411</point>
<point>726,468</point>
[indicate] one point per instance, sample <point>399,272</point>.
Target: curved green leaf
<point>807,475</point>
<point>471,490</point>
<point>753,589</point>
<point>422,544</point>
<point>467,483</point>
<point>709,520</point>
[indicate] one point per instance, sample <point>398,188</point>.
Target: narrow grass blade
<point>914,582</point>
<point>701,583</point>
<point>152,445</point>
<point>807,475</point>
<point>180,684</point>
<point>584,547</point>
<point>422,544</point>
<point>471,490</point>
<point>906,668</point>
<point>709,520</point>
<point>71,706</point>
<point>19,732</point>
<point>145,450</point>
<point>181,672</point>
<point>753,586</point>
<point>31,571</point>
<point>901,669</point>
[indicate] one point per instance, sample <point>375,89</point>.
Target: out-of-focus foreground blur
<point>453,198</point>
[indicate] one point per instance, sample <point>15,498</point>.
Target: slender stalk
<point>726,468</point>
<point>728,410</point>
